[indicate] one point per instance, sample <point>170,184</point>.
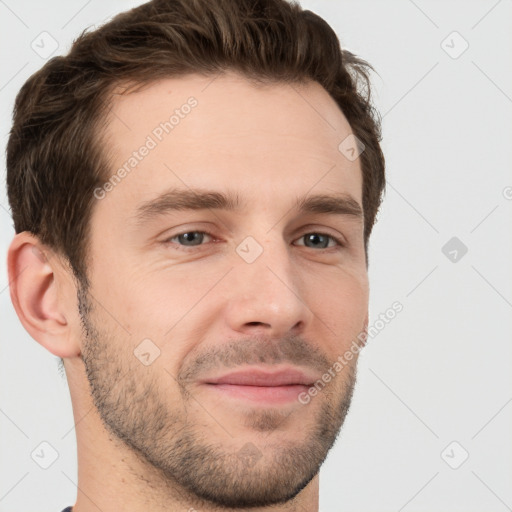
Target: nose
<point>266,296</point>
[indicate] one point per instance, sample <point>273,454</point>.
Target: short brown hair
<point>54,154</point>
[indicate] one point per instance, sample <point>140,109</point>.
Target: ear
<point>43,294</point>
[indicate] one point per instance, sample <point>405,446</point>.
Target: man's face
<point>205,326</point>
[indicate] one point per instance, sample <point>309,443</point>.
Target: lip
<point>264,378</point>
<point>262,386</point>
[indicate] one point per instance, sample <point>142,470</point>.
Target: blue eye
<point>319,240</point>
<point>190,238</point>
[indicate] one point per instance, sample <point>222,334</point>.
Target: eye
<point>319,240</point>
<point>188,239</point>
<point>191,239</point>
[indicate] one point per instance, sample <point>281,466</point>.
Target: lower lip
<point>264,394</point>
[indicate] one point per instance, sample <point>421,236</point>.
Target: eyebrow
<point>199,199</point>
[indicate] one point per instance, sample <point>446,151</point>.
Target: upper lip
<point>261,377</point>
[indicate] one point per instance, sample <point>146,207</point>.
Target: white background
<point>441,370</point>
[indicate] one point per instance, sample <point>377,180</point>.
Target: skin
<point>206,308</point>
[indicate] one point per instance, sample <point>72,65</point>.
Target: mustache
<point>292,349</point>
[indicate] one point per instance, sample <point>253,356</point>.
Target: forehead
<point>266,141</point>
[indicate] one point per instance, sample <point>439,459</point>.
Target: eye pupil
<point>191,237</point>
<point>315,238</point>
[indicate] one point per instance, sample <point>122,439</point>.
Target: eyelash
<point>167,241</point>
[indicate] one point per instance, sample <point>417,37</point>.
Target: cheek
<point>341,308</point>
<point>162,296</point>
<point>172,308</point>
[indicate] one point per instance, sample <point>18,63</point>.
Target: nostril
<point>258,324</point>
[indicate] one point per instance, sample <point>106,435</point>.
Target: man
<point>193,189</point>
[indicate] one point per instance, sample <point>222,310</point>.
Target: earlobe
<point>40,293</point>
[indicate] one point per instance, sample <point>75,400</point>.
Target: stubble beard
<point>208,472</point>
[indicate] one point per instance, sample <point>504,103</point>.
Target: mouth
<point>263,386</point>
